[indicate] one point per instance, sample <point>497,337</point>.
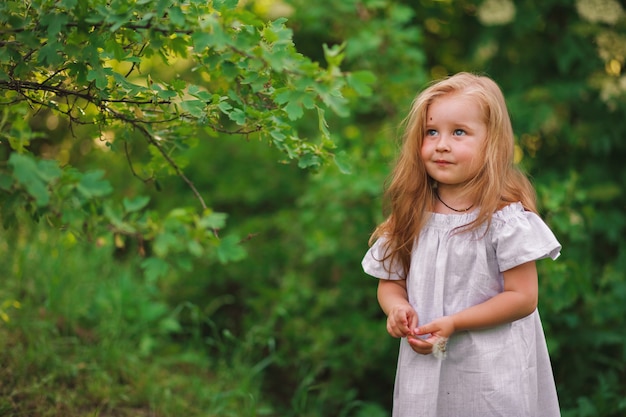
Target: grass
<point>82,334</point>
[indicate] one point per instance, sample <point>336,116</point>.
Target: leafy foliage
<point>95,65</point>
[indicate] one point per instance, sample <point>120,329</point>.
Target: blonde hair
<point>409,196</point>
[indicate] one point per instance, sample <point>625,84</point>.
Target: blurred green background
<point>294,329</point>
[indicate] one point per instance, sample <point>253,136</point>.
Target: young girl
<point>456,262</point>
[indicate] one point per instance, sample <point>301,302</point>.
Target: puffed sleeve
<point>373,264</point>
<point>521,236</point>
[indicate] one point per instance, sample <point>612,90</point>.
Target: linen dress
<point>501,371</point>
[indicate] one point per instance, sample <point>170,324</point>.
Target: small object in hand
<point>439,348</point>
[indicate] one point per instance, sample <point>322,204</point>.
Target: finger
<point>395,333</point>
<point>420,345</point>
<point>413,323</point>
<point>401,324</point>
<point>426,329</point>
<point>421,351</point>
<point>393,329</point>
<point>419,342</point>
<point>390,329</point>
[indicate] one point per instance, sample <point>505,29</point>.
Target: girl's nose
<point>443,144</point>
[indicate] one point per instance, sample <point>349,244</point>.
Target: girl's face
<point>453,141</point>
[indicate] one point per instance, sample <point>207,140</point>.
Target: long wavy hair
<point>409,195</point>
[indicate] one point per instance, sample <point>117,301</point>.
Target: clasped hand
<point>403,322</point>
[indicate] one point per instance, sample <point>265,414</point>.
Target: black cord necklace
<point>451,208</point>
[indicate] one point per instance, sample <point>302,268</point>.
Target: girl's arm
<point>518,300</point>
<point>394,301</point>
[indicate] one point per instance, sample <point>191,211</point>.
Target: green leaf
<point>176,15</point>
<point>322,124</point>
<point>334,55</point>
<point>92,185</point>
<point>114,49</point>
<point>333,99</point>
<point>55,23</point>
<point>309,161</point>
<point>238,116</point>
<point>361,82</point>
<point>195,108</point>
<point>198,93</point>
<point>294,110</point>
<point>224,107</point>
<point>277,33</point>
<point>48,170</point>
<point>99,75</point>
<point>225,4</point>
<point>34,176</point>
<point>49,54</point>
<point>161,6</point>
<point>154,268</point>
<point>163,242</point>
<point>230,250</point>
<point>118,20</point>
<point>342,160</point>
<point>135,204</point>
<point>115,217</point>
<point>213,220</point>
<point>195,248</point>
<point>295,100</point>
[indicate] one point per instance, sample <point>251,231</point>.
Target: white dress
<point>502,371</point>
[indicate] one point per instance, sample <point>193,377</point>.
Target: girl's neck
<point>449,203</point>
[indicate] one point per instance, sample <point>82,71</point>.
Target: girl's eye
<point>459,132</point>
<point>431,132</point>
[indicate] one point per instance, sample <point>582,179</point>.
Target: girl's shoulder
<point>515,221</point>
<point>511,211</point>
<point>513,216</point>
<point>520,236</point>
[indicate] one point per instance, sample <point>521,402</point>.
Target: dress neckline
<point>446,220</point>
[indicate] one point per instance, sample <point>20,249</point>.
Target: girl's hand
<point>393,299</point>
<point>442,327</point>
<point>402,320</point>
